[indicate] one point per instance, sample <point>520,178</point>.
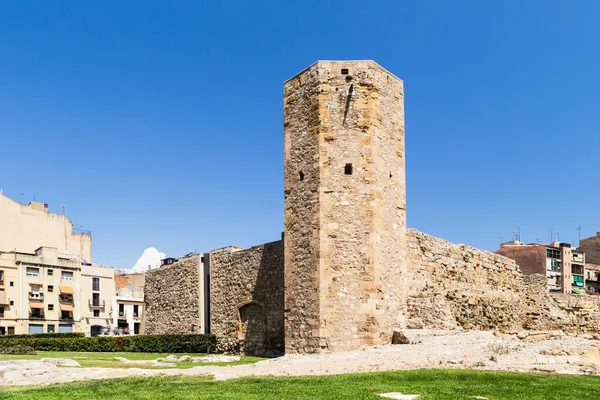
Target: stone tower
<point>345,213</point>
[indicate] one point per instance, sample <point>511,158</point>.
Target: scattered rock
<point>399,338</point>
<point>171,358</point>
<point>224,377</point>
<point>522,335</point>
<point>63,362</point>
<point>399,396</point>
<point>163,364</point>
<point>184,359</point>
<point>215,359</point>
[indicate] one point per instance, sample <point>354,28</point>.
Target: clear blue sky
<point>159,123</point>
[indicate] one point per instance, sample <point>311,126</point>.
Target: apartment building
<point>44,293</point>
<point>130,303</point>
<point>26,227</point>
<point>563,266</point>
<point>47,280</point>
<point>592,278</point>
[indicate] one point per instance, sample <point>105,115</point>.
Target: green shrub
<point>18,349</point>
<point>139,344</point>
<point>62,335</point>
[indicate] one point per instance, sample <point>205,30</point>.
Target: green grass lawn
<point>107,360</point>
<point>430,384</point>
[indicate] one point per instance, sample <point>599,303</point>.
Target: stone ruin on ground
<point>347,272</point>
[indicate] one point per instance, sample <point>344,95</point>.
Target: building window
<point>122,310</point>
<point>1,277</point>
<point>33,272</point>
<point>553,253</point>
<point>96,313</point>
<point>96,284</point>
<point>12,283</point>
<point>36,292</point>
<point>1,312</point>
<point>66,275</point>
<point>12,303</point>
<point>50,307</point>
<point>136,328</point>
<point>348,169</point>
<point>96,299</point>
<point>50,288</point>
<point>51,328</point>
<point>135,311</point>
<point>50,272</point>
<point>66,298</point>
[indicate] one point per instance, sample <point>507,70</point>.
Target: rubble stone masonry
<point>348,273</point>
<point>457,285</point>
<point>246,297</point>
<point>345,222</point>
<point>172,298</point>
<point>543,310</point>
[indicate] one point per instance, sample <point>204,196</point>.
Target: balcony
<point>96,303</point>
<point>39,296</point>
<point>36,315</point>
<point>68,300</point>
<point>66,317</point>
<point>593,277</point>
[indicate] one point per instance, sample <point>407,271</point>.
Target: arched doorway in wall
<point>252,329</point>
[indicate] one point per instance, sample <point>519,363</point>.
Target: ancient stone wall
<point>172,297</point>
<point>344,207</point>
<point>457,285</point>
<point>543,310</point>
<point>247,297</point>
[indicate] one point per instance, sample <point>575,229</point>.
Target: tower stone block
<point>345,214</point>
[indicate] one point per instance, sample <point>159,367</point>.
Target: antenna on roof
<point>517,235</point>
<point>579,241</point>
<point>21,198</point>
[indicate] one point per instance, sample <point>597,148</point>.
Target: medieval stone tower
<point>345,214</point>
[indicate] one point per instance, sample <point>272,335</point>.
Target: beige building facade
<point>45,293</point>
<point>48,283</point>
<point>26,227</point>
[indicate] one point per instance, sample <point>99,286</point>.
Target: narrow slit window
<point>301,175</point>
<point>345,71</point>
<point>348,169</point>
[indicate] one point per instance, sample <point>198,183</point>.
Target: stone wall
<point>345,198</point>
<point>457,285</point>
<point>544,310</point>
<point>172,297</point>
<point>246,297</point>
